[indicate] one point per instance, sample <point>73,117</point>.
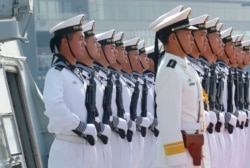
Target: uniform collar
<point>179,60</point>
<point>136,76</point>
<point>126,75</point>
<point>240,70</point>
<point>193,60</point>
<point>148,74</point>
<point>84,67</point>
<point>113,70</point>
<point>204,61</point>
<point>63,61</point>
<point>127,78</point>
<point>98,67</point>
<point>222,64</point>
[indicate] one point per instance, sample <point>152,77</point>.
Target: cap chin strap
<point>70,47</point>
<point>105,56</point>
<point>86,48</point>
<point>196,43</point>
<point>180,42</point>
<point>130,62</point>
<point>226,54</point>
<point>210,46</point>
<point>142,66</point>
<point>118,62</point>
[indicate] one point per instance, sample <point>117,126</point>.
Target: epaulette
<point>59,67</point>
<point>172,63</point>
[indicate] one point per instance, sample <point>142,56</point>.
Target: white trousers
<point>65,154</point>
<point>137,145</point>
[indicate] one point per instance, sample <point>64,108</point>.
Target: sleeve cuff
<point>81,127</point>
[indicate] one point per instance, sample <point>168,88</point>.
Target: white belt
<point>192,126</point>
<point>71,138</point>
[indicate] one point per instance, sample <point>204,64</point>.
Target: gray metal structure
<point>24,139</point>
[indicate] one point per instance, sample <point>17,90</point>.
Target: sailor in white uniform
<point>178,95</point>
<point>108,56</point>
<point>206,60</point>
<point>240,103</point>
<point>200,46</point>
<point>119,124</point>
<point>227,97</point>
<point>85,64</point>
<point>246,60</point>
<point>152,132</point>
<point>137,141</point>
<point>64,94</point>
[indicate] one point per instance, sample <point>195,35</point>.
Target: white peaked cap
<point>212,23</point>
<point>151,49</point>
<point>219,26</point>
<point>171,12</point>
<point>175,22</point>
<point>132,44</point>
<point>199,22</point>
<point>246,45</point>
<point>89,26</point>
<point>119,36</point>
<point>106,38</point>
<point>235,38</point>
<point>141,44</point>
<point>240,37</point>
<point>141,47</point>
<point>227,33</point>
<point>68,26</point>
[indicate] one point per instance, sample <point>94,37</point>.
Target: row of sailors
<point>117,117</point>
<point>219,59</point>
<point>114,112</point>
<point>220,63</point>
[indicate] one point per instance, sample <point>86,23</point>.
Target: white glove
<point>106,131</point>
<point>244,116</point>
<point>90,130</point>
<point>155,122</point>
<point>143,121</point>
<point>213,118</point>
<point>120,123</point>
<point>150,117</point>
<point>126,116</point>
<point>231,119</point>
<point>132,126</point>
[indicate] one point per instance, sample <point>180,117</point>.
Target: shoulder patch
<point>59,67</point>
<point>171,63</point>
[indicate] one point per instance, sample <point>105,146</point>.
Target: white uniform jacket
<point>179,100</point>
<point>64,97</point>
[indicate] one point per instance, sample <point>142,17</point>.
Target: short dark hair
<point>163,37</point>
<point>56,41</point>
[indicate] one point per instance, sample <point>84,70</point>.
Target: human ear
<point>64,42</point>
